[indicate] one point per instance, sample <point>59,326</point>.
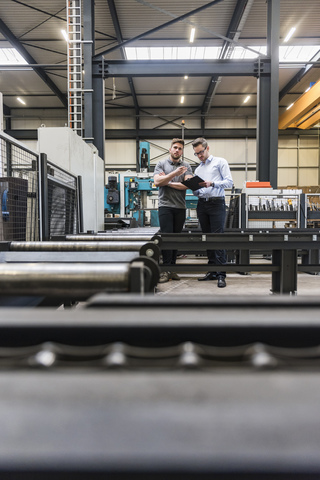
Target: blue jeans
<point>171,220</point>
<point>211,216</point>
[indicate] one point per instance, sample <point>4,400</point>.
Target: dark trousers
<point>171,221</point>
<point>211,216</point>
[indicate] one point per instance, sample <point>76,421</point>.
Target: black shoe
<point>208,276</point>
<point>221,282</point>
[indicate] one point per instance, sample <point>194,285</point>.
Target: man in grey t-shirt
<point>168,175</point>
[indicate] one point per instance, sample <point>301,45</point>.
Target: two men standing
<point>211,209</point>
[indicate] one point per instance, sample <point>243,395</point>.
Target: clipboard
<point>193,182</point>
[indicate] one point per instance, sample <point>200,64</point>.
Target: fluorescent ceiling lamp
<point>11,56</point>
<point>290,106</point>
<point>291,32</point>
<point>192,33</point>
<point>182,99</point>
<point>65,35</point>
<point>297,53</point>
<point>246,99</point>
<point>21,101</point>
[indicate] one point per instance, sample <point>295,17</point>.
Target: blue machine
<point>139,196</point>
<point>136,193</point>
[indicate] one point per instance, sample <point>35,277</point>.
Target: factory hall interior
<point>159,240</point>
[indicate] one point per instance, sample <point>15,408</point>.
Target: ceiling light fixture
<point>65,35</point>
<point>290,106</point>
<point>247,99</point>
<point>186,77</point>
<point>291,32</point>
<point>21,101</point>
<point>192,33</point>
<point>182,99</point>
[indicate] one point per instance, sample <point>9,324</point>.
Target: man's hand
<point>206,184</point>
<point>180,170</point>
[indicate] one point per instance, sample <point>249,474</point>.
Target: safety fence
<point>38,198</point>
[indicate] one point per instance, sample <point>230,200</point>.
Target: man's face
<point>176,151</point>
<point>201,152</point>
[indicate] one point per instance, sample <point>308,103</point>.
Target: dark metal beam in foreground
<point>255,419</point>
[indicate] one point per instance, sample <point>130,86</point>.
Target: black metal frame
<point>284,249</point>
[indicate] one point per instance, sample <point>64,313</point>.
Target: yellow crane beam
<point>309,120</point>
<point>301,107</point>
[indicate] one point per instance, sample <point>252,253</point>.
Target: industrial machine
<point>134,195</point>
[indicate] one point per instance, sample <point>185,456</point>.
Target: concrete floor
<point>251,284</point>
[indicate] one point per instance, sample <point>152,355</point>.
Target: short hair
<point>177,140</point>
<point>200,141</point>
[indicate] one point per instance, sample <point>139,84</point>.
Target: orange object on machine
<point>258,185</point>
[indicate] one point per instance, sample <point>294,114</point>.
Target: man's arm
<point>161,180</point>
<point>178,185</point>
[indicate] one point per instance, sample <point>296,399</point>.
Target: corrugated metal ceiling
<point>37,25</point>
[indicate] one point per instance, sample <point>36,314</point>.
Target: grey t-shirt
<point>170,197</point>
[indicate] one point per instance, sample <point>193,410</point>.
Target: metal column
<point>268,103</point>
<point>88,52</point>
<point>99,114</point>
<point>43,198</point>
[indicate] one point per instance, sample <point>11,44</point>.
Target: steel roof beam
<point>231,33</point>
<point>197,68</point>
<point>160,27</point>
<point>116,24</point>
<point>38,70</point>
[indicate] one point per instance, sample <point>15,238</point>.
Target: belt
<point>212,199</point>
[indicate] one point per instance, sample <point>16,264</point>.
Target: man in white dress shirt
<point>211,208</point>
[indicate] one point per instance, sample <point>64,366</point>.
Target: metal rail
<point>284,248</point>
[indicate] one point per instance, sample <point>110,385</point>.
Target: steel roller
<point>63,280</point>
<point>109,238</point>
<point>76,246</point>
<point>148,249</point>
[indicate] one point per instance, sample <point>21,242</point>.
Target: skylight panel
<point>211,53</point>
<point>11,56</point>
<point>131,53</point>
<point>296,53</point>
<point>156,53</point>
<point>167,53</point>
<point>143,53</point>
<point>184,53</point>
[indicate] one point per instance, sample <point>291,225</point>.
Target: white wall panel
<point>308,177</point>
<point>287,142</point>
<point>287,177</point>
<point>121,153</point>
<point>308,157</point>
<point>226,123</point>
<point>287,157</point>
<point>309,141</point>
<point>126,122</point>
